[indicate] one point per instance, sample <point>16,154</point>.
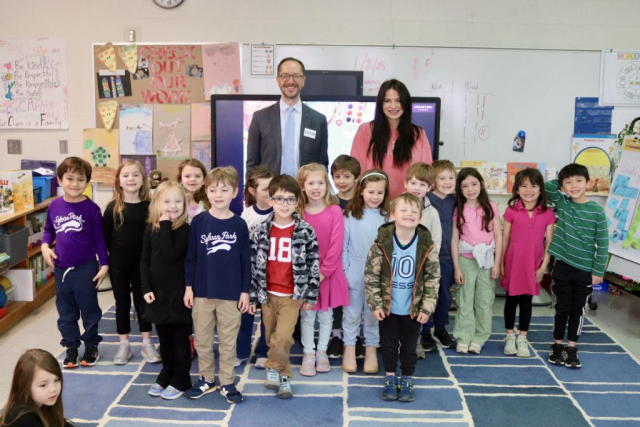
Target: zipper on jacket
<point>415,283</point>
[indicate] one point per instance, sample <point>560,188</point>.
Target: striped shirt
<point>581,238</point>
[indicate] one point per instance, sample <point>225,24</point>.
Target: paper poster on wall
<point>33,83</point>
<point>171,132</point>
<point>149,162</point>
<point>201,122</point>
<point>221,63</point>
<point>201,150</point>
<point>262,58</point>
<point>100,149</point>
<point>620,78</point>
<point>594,152</point>
<point>136,128</point>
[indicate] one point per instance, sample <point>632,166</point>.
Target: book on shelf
<point>495,177</point>
<point>513,168</point>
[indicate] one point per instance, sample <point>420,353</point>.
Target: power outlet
<point>14,146</point>
<point>64,146</point>
<point>132,35</point>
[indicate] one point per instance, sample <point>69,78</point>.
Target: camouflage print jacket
<point>378,272</point>
<point>304,260</point>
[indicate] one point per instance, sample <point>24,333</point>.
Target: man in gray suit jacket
<point>269,127</point>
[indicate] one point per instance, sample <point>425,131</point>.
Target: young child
<point>285,277</point>
<point>123,223</point>
<point>191,175</point>
<point>345,170</point>
<point>218,277</point>
<point>74,222</point>
<point>528,229</point>
<point>419,180</point>
<point>325,216</point>
<point>365,214</point>
<point>258,209</point>
<point>444,202</point>
<point>477,237</point>
<point>580,245</point>
<point>401,286</point>
<point>35,396</point>
<point>162,270</point>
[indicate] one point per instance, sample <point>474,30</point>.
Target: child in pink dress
<point>322,211</point>
<point>528,229</point>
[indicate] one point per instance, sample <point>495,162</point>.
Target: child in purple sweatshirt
<point>74,222</point>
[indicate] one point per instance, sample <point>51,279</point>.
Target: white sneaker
<point>462,348</point>
<point>240,361</point>
<point>523,347</point>
<point>260,361</point>
<point>149,351</point>
<point>123,354</point>
<point>475,348</point>
<point>510,345</point>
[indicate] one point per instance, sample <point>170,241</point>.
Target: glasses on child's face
<point>281,200</point>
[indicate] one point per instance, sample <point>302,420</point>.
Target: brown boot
<point>371,361</point>
<point>349,359</point>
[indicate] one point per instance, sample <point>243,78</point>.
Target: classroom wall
<point>545,24</point>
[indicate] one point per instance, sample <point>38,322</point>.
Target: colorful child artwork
<point>201,122</point>
<point>172,132</point>
<point>201,150</point>
<point>148,162</point>
<point>113,84</point>
<point>594,152</point>
<point>107,55</point>
<point>129,55</point>
<point>221,63</point>
<point>620,187</point>
<point>136,129</point>
<point>108,111</point>
<point>100,148</point>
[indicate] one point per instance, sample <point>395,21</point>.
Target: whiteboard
<point>488,94</point>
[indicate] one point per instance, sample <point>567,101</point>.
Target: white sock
<point>125,342</point>
<point>146,341</point>
<point>337,333</point>
<point>511,334</point>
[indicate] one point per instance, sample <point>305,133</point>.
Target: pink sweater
<point>421,153</point>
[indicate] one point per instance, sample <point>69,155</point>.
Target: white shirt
<point>284,116</point>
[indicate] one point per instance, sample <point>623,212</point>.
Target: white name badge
<point>309,133</point>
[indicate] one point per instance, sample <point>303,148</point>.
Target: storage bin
<point>15,244</point>
<point>47,184</point>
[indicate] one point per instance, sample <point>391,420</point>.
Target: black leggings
<point>524,301</point>
<point>125,279</point>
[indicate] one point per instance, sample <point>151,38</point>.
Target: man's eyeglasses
<point>296,77</point>
<point>281,200</point>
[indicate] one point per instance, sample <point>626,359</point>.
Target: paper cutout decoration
<point>107,55</point>
<point>129,55</point>
<point>101,149</point>
<point>107,110</point>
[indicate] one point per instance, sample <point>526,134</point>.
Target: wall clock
<point>168,4</point>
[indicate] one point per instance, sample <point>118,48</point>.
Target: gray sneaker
<point>273,380</point>
<point>123,354</point>
<point>523,347</point>
<point>285,392</point>
<point>510,345</point>
<point>149,351</point>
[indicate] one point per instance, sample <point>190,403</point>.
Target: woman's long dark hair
<point>381,130</point>
<point>535,178</point>
<point>483,200</point>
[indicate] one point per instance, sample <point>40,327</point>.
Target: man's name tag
<point>309,133</point>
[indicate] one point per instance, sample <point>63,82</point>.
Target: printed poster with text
<point>33,84</point>
<point>594,152</point>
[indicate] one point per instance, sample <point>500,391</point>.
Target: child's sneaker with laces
<point>523,347</point>
<point>284,390</point>
<point>556,354</point>
<point>273,380</point>
<point>462,347</point>
<point>475,348</point>
<point>200,388</point>
<point>571,358</point>
<point>260,361</point>
<point>71,359</point>
<point>90,356</point>
<point>123,354</point>
<point>390,391</point>
<point>510,345</point>
<point>335,348</point>
<point>231,393</point>
<point>171,393</point>
<point>308,368</point>
<point>443,337</point>
<point>155,390</point>
<point>322,362</point>
<point>405,390</point>
<point>151,353</point>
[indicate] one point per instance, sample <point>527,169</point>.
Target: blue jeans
<point>440,317</point>
<point>243,348</point>
<point>77,296</point>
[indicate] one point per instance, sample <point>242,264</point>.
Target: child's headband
<point>372,174</point>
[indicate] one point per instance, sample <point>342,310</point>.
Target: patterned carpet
<point>452,390</point>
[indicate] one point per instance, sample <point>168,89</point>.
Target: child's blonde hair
<point>257,173</point>
<point>200,195</point>
<point>118,192</point>
<point>407,198</point>
<point>227,175</point>
<point>303,173</point>
<point>440,166</point>
<point>422,172</point>
<point>155,210</point>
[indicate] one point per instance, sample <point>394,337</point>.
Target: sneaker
<point>390,391</point>
<point>462,347</point>
<point>123,354</point>
<point>428,343</point>
<point>443,337</point>
<point>284,390</point>
<point>523,347</point>
<point>335,348</point>
<point>360,349</point>
<point>240,361</point>
<point>322,362</point>
<point>405,390</point>
<point>90,356</point>
<point>556,354</point>
<point>200,388</point>
<point>149,351</point>
<point>475,348</point>
<point>260,361</point>
<point>231,393</point>
<point>71,360</point>
<point>570,356</point>
<point>420,351</point>
<point>171,393</point>
<point>510,345</point>
<point>192,346</point>
<point>155,390</point>
<point>308,368</point>
<point>273,380</point>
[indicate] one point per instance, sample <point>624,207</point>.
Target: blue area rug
<point>451,390</point>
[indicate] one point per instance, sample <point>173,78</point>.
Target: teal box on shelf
<point>47,184</point>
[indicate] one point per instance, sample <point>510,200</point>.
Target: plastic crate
<point>15,244</point>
